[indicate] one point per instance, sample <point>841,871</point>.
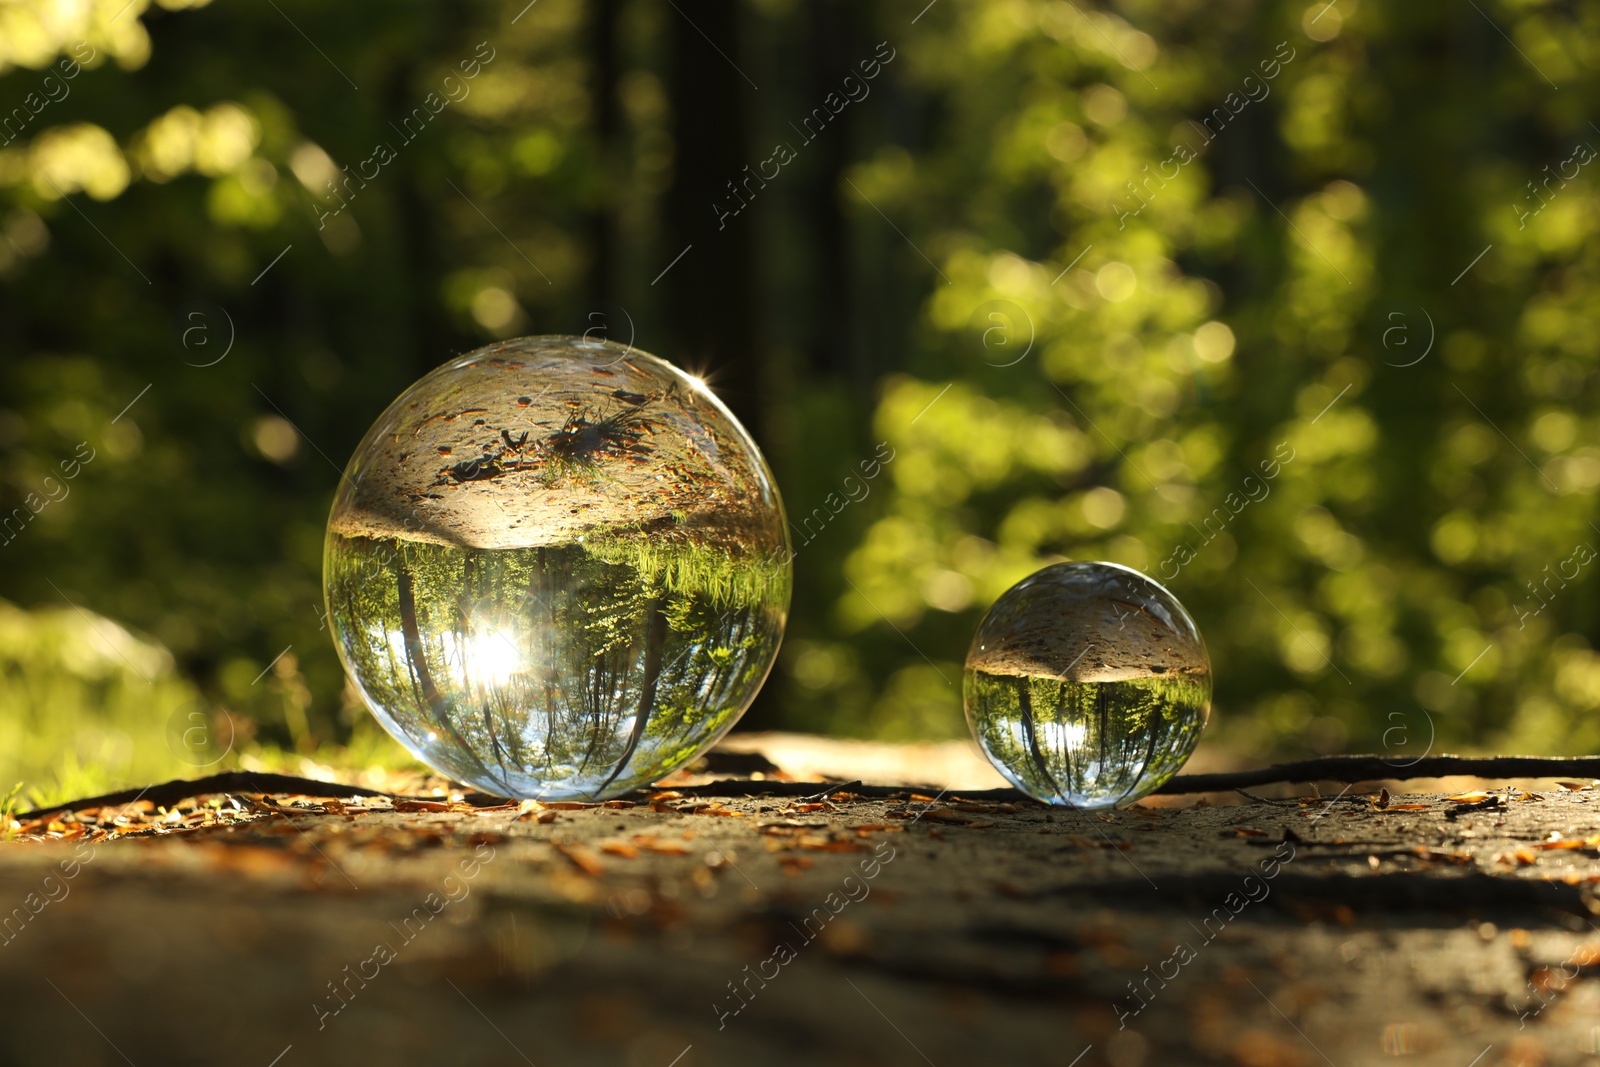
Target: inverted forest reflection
<point>546,671</point>
<point>1089,744</point>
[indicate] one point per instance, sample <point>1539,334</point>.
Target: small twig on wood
<point>842,787</point>
<point>1343,769</point>
<point>740,787</point>
<point>1350,769</point>
<point>1472,806</point>
<point>1295,801</point>
<point>169,793</point>
<point>1376,893</point>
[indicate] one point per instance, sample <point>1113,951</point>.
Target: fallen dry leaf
<point>788,826</point>
<point>1468,798</point>
<point>793,865</point>
<point>1460,859</point>
<point>248,859</point>
<point>1086,842</point>
<point>582,858</point>
<point>714,809</point>
<point>945,815</point>
<point>411,806</point>
<point>832,846</point>
<point>661,848</point>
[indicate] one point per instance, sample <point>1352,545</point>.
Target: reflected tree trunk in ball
<point>1030,732</point>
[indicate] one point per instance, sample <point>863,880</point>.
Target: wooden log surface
<point>814,924</point>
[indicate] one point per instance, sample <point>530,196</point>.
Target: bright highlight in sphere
<point>492,658</point>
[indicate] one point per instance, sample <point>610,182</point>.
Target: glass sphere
<point>1087,685</point>
<point>557,568</point>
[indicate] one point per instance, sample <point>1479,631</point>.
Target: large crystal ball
<point>557,568</point>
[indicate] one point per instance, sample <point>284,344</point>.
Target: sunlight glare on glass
<point>492,657</point>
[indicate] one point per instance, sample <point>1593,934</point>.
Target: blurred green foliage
<point>75,706</point>
<point>1082,270</point>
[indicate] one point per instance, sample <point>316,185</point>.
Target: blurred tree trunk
<point>833,343</point>
<point>607,129</point>
<point>710,291</point>
<point>432,335</point>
